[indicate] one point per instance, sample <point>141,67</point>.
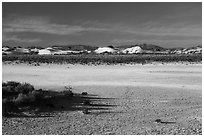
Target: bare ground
<point>125,99</point>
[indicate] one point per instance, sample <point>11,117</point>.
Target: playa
<point>134,96</point>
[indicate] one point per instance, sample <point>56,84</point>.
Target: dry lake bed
<point>129,98</point>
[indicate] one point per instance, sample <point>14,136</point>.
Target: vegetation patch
<point>23,100</point>
<point>20,97</point>
<point>98,59</point>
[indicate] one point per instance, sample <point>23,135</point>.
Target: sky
<point>168,24</point>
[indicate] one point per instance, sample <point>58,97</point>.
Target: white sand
<point>57,76</point>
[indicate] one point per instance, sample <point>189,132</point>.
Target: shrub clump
<point>97,59</point>
<point>25,99</point>
<point>68,91</point>
<point>24,88</point>
<point>7,106</point>
<point>12,88</point>
<point>9,88</point>
<point>18,96</point>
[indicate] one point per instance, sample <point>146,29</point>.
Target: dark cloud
<point>167,24</point>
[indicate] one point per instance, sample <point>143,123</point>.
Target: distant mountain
<point>126,46</point>
<point>124,49</point>
<point>111,46</point>
<point>75,47</point>
<point>150,47</point>
<point>34,47</point>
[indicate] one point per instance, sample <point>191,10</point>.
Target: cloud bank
<point>14,26</point>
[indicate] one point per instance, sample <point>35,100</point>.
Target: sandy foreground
<point>131,98</point>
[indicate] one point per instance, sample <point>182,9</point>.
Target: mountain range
<point>150,47</point>
<point>124,49</point>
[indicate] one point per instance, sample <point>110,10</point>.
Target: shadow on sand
<point>168,122</point>
<point>60,103</point>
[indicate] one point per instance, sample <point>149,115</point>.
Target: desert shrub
<point>38,95</point>
<point>8,89</point>
<point>12,89</point>
<point>27,99</point>
<point>68,91</point>
<point>5,107</point>
<point>98,59</point>
<point>15,94</point>
<point>84,93</point>
<point>21,99</point>
<point>24,88</point>
<point>4,84</point>
<point>8,106</point>
<point>11,84</point>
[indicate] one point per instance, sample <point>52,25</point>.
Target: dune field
<point>127,98</point>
